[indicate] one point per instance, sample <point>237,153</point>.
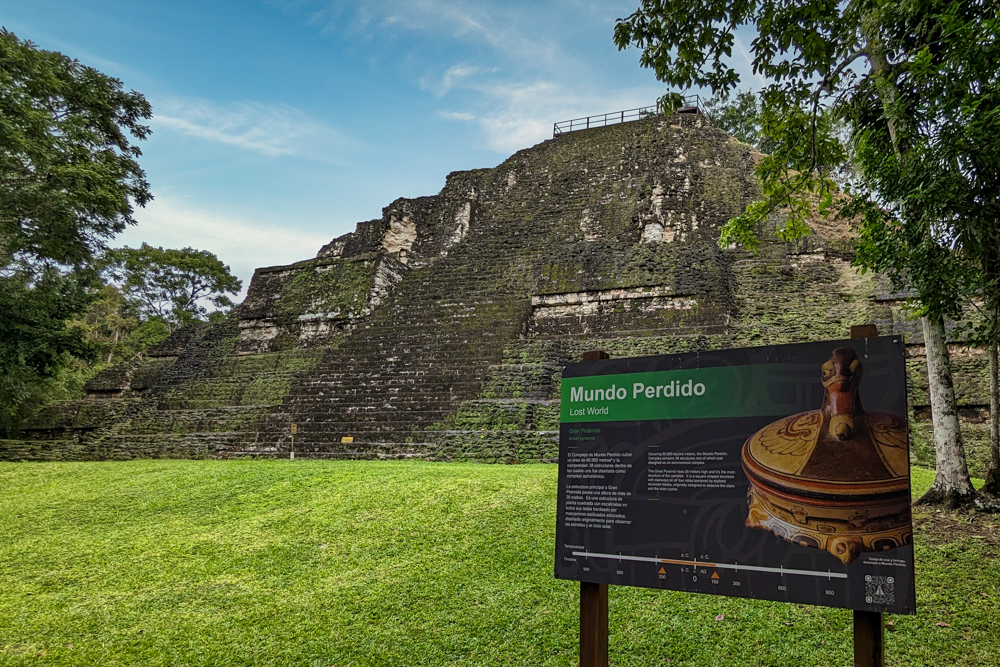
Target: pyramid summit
<point>439,330</point>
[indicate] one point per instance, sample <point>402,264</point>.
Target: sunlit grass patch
<point>393,563</point>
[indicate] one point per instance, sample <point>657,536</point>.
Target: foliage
<point>36,345</point>
<point>930,194</point>
<point>168,284</point>
<point>106,322</point>
<point>692,46</point>
<point>115,327</point>
<point>916,85</point>
<point>69,179</point>
<point>69,173</point>
<point>738,115</point>
<point>928,141</point>
<point>669,103</point>
<point>108,331</point>
<point>313,562</point>
<point>741,116</point>
<point>901,75</point>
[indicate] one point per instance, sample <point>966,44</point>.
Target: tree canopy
<point>169,284</point>
<point>916,83</point>
<point>929,158</point>
<point>69,181</point>
<point>69,175</point>
<point>803,49</point>
<point>738,115</point>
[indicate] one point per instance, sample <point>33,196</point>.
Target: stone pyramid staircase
<point>390,387</point>
<point>440,330</point>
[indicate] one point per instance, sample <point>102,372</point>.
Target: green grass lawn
<point>319,563</point>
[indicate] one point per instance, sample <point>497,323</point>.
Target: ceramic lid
<point>798,455</point>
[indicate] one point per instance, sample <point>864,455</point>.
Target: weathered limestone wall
<point>440,329</point>
<point>314,302</point>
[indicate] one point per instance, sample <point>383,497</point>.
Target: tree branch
<point>828,79</point>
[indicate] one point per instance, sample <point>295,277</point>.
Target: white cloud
<point>456,115</point>
<point>270,129</point>
<point>453,76</point>
<point>499,29</point>
<point>517,73</point>
<point>509,30</point>
<point>520,115</point>
<point>513,68</point>
<point>243,244</point>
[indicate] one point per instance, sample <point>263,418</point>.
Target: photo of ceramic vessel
<point>836,478</point>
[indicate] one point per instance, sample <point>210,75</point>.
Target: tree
<point>69,179</point>
<point>947,90</point>
<point>739,116</point>
<point>35,342</point>
<point>851,60</point>
<point>115,328</point>
<point>168,284</point>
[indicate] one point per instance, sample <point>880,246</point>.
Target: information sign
<point>775,473</point>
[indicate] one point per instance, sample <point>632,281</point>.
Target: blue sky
<point>279,124</point>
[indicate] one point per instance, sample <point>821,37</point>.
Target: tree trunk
<point>992,486</point>
<point>111,354</point>
<point>952,486</point>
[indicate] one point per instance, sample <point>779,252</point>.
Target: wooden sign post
<point>869,632</point>
<point>593,624</point>
<point>594,600</point>
<point>291,454</point>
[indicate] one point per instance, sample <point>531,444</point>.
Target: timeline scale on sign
<point>720,566</point>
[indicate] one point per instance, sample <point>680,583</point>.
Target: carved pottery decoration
<point>836,478</point>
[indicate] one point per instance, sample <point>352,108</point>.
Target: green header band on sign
<point>697,393</point>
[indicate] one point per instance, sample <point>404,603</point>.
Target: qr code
<point>880,590</point>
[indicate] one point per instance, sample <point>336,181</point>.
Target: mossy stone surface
<point>440,329</point>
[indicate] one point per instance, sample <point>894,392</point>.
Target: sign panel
<point>775,473</point>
